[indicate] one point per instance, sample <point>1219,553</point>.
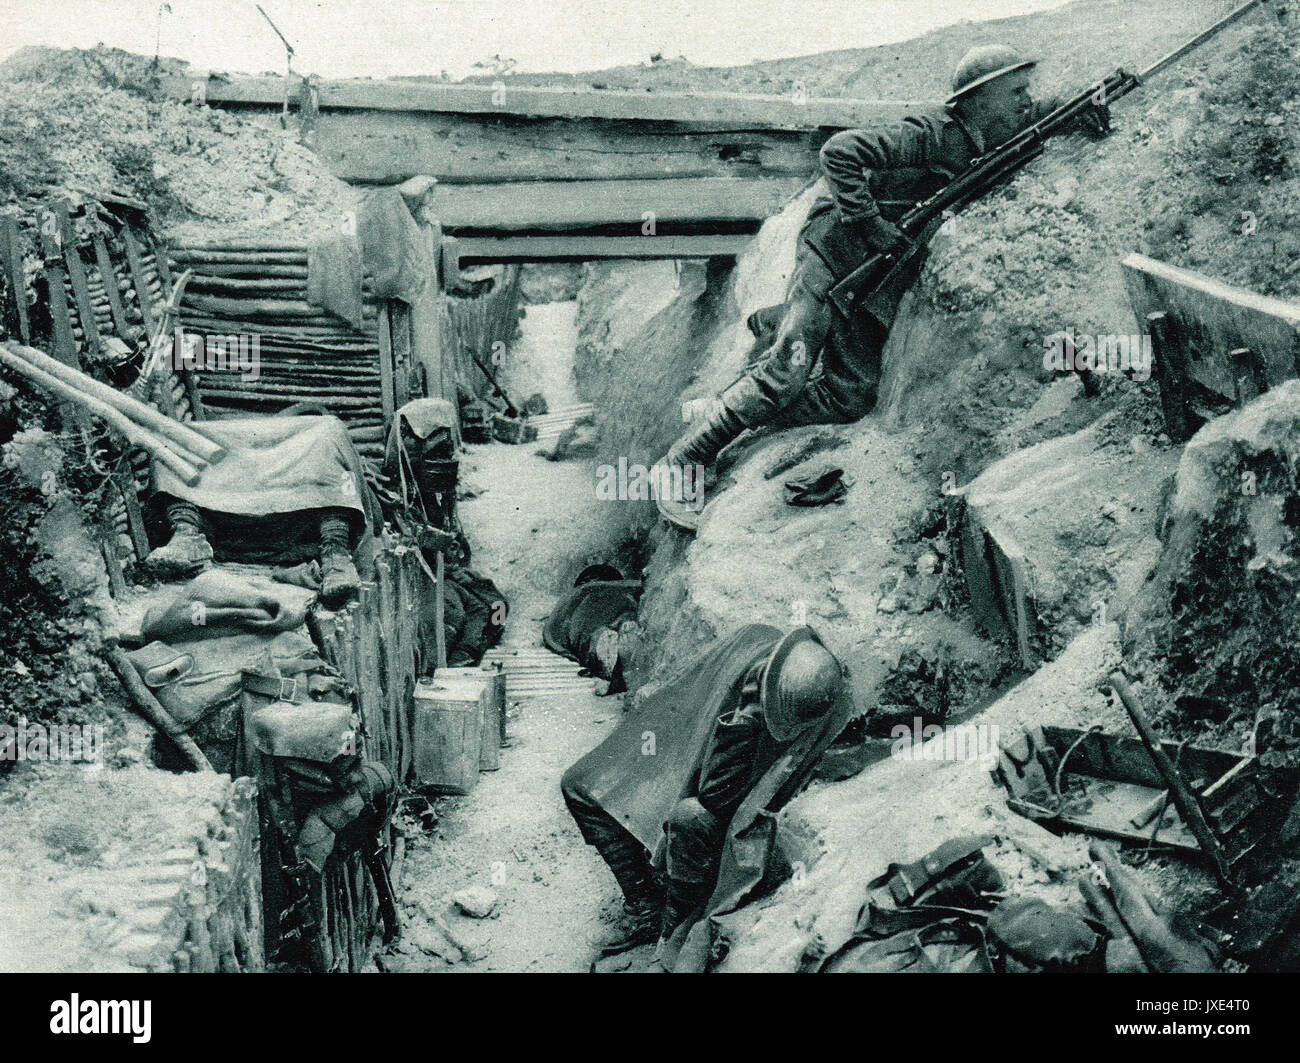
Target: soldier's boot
<point>187,552</point>
<point>339,578</point>
<point>697,449</point>
<point>643,902</point>
<point>637,925</point>
<point>681,902</point>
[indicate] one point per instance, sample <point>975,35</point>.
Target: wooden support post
<point>138,279</point>
<point>11,249</point>
<point>449,263</point>
<point>104,261</point>
<point>1168,366</point>
<point>113,566</point>
<point>440,605</point>
<point>1189,806</point>
<point>161,264</point>
<point>387,395</point>
<point>125,484</point>
<point>192,390</point>
<point>400,337</point>
<point>77,278</point>
<point>65,344</point>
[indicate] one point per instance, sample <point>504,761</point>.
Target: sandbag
<point>216,601</point>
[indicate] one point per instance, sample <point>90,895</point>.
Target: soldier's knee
<point>689,814</point>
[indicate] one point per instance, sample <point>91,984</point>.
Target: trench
<point>652,336</point>
<point>532,524</point>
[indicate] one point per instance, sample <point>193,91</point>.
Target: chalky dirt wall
<point>1199,171</point>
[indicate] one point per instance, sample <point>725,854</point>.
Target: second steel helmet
<point>800,684</point>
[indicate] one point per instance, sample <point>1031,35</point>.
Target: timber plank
<point>559,205</point>
<point>389,146</point>
<point>777,112</point>
<point>104,263</point>
<point>387,394</point>
<point>399,317</point>
<point>479,249</point>
<point>11,249</point>
<point>77,277</point>
<point>138,279</point>
<point>65,344</point>
<point>1212,320</point>
<point>159,253</point>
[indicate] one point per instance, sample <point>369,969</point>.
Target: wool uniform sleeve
<point>848,159</point>
<point>727,773</point>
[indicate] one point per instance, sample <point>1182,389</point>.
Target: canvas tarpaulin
<point>640,790</point>
<point>276,465</point>
<point>386,242</point>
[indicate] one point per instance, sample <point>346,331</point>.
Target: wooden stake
<point>1188,806</point>
<point>139,280</point>
<point>105,263</point>
<point>148,706</point>
<point>77,277</point>
<point>12,264</point>
<point>440,608</point>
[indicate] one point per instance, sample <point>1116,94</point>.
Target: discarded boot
<point>698,448</point>
<point>187,552</point>
<point>339,578</point>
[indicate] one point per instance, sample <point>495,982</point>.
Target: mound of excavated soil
<point>84,873</point>
<point>86,123</point>
<point>1075,43</point>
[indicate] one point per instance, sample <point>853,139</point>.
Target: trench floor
<point>512,834</point>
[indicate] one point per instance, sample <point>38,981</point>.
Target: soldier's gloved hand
<point>1095,119</point>
<point>882,235</point>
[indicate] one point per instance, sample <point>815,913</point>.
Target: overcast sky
<point>378,38</point>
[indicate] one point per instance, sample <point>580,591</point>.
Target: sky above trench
<point>386,38</point>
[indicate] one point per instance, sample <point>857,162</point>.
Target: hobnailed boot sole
<point>681,515</point>
<point>181,557</point>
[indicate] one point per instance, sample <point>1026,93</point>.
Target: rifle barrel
<point>997,165</point>
<point>1199,39</point>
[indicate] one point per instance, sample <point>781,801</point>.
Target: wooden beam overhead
<point>389,146</point>
<point>560,205</point>
<point>479,249</point>
<point>722,108</point>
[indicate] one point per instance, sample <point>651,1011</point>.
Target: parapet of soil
<point>87,123</point>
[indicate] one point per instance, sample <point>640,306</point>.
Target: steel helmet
<point>800,683</point>
<point>983,64</point>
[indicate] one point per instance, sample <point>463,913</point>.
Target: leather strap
<point>281,688</point>
<point>905,882</point>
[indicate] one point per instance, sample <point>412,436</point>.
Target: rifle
<point>511,409</point>
<point>996,167</point>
